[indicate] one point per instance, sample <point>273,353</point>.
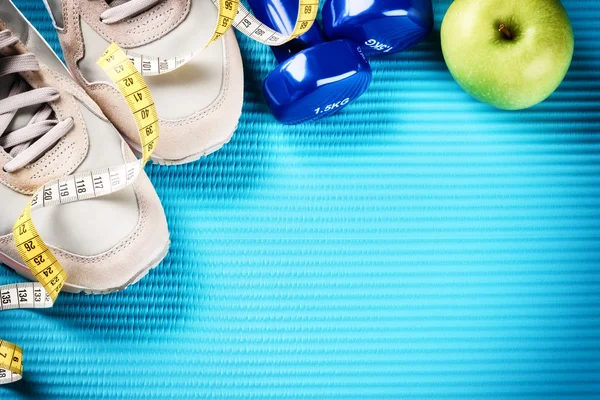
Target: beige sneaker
<point>50,128</point>
<point>199,104</point>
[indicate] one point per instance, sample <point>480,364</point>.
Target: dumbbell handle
<point>281,15</point>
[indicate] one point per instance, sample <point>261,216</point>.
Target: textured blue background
<point>417,245</point>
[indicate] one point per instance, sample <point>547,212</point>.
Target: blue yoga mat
<point>417,245</point>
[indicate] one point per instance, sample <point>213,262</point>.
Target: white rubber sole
<point>189,159</point>
<point>70,288</point>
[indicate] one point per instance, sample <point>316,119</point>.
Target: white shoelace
<point>123,9</point>
<point>28,143</point>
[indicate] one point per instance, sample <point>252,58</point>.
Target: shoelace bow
<point>30,142</point>
<point>123,9</point>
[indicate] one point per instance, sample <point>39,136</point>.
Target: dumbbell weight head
<point>379,26</point>
<point>315,78</point>
<point>317,82</point>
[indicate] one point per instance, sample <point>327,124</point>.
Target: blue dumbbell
<point>315,78</point>
<point>379,26</point>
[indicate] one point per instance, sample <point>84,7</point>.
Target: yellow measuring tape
<point>231,13</point>
<point>125,69</point>
<point>250,26</point>
<point>82,186</point>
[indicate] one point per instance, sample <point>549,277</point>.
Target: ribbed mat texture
<point>417,245</point>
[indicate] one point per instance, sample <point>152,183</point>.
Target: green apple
<point>511,54</point>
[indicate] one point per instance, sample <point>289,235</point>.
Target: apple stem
<point>502,28</point>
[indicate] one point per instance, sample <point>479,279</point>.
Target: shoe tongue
<point>6,83</point>
<point>20,29</point>
<point>24,115</point>
<point>18,26</point>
